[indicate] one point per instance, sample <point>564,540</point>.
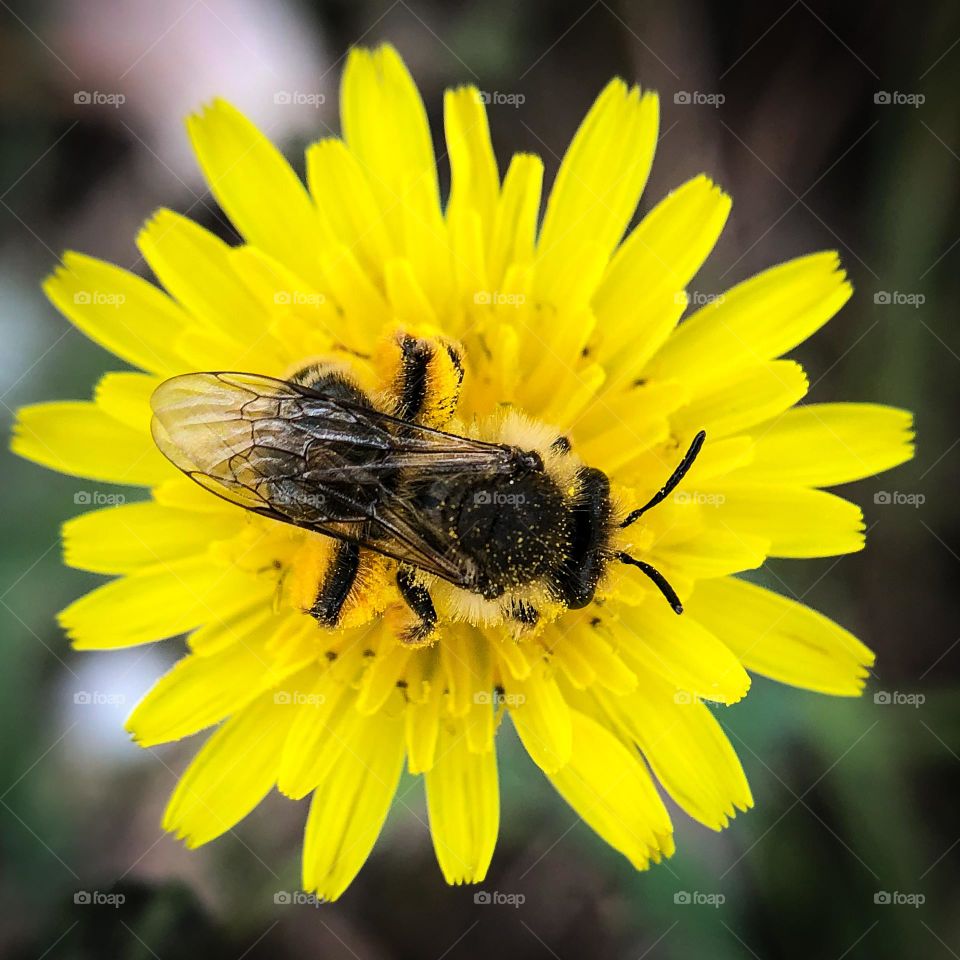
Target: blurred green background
<point>832,127</point>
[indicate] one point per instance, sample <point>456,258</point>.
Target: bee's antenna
<point>685,464</point>
<point>657,577</point>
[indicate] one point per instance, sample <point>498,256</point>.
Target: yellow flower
<point>563,328</point>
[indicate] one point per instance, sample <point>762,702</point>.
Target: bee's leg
<point>417,598</point>
<point>336,584</point>
<point>524,613</point>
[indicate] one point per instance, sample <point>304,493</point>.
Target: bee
<point>506,524</point>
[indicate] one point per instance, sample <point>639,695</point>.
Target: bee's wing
<point>288,452</point>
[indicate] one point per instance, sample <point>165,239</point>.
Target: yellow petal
<point>515,222</point>
<point>125,538</point>
<point>681,650</point>
<point>350,806</point>
<point>81,439</point>
<point>323,726</point>
<point>609,787</point>
<point>823,444</point>
<point>750,397</point>
<point>231,774</point>
<point>686,748</point>
<point>194,266</point>
<point>542,719</point>
<point>126,397</point>
<point>656,261</point>
<point>160,601</point>
<point>241,622</point>
<point>422,728</point>
<point>123,313</point>
<point>586,657</point>
<point>183,493</point>
<point>463,801</point>
<point>385,126</point>
<point>474,180</point>
<point>595,194</point>
<point>797,522</point>
<point>781,638</point>
<point>759,319</point>
<point>256,187</point>
<point>713,554</point>
<point>199,691</point>
<point>345,200</point>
